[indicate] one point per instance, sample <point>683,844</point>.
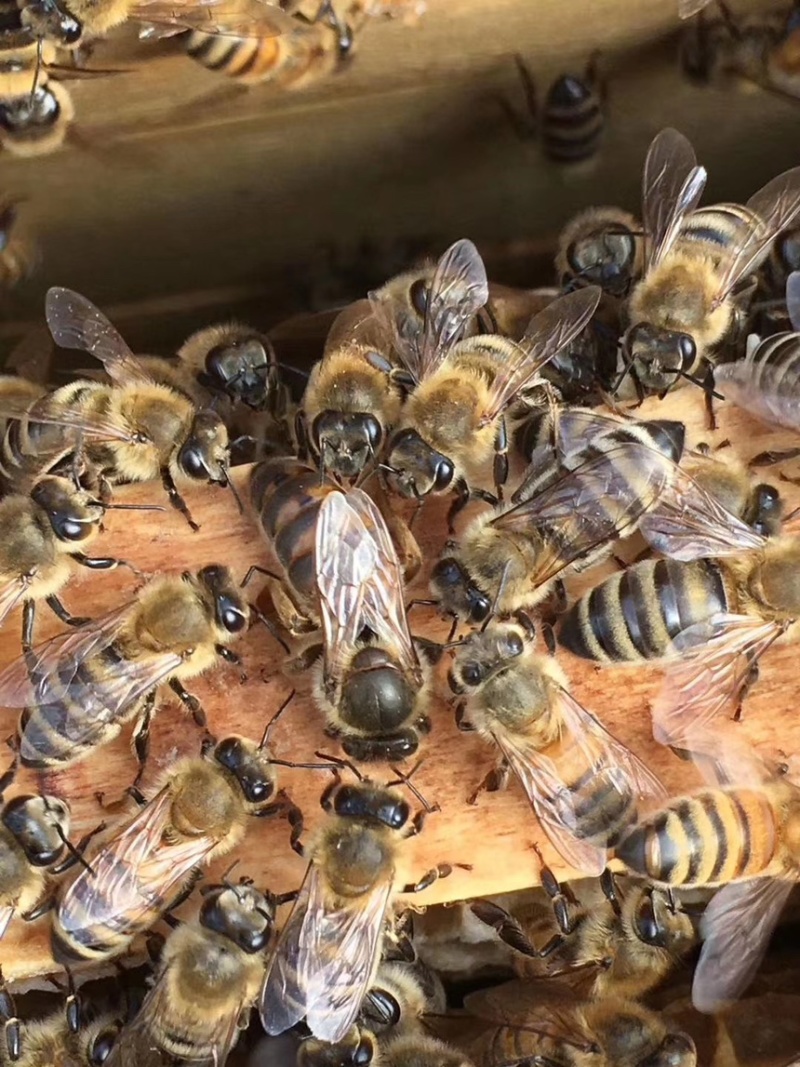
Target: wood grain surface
<point>496,835</point>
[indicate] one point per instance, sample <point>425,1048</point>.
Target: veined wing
<point>232,18</point>
<point>458,291</point>
<point>75,322</point>
<point>672,186</point>
<point>10,595</point>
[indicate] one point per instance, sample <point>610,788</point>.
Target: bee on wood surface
<point>200,812</point>
<point>133,430</point>
<point>78,689</point>
<point>583,784</point>
<point>730,482</point>
<point>601,246</point>
<point>328,951</point>
<point>696,263</point>
<point>206,983</point>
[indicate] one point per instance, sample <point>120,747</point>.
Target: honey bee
<point>571,122</point>
<point>743,836</point>
<point>728,480</point>
<point>628,945</point>
<point>420,1050</point>
<point>78,689</point>
<point>36,123</point>
<point>328,951</point>
<point>207,981</point>
<point>582,783</point>
<point>601,246</point>
<point>696,263</point>
<point>132,430</point>
<point>17,257</point>
<point>527,1022</point>
<point>33,839</point>
<point>403,993</point>
<point>355,393</point>
<point>41,535</point>
<point>371,684</point>
<point>454,420</point>
<point>360,1048</point>
<point>63,1039</point>
<point>200,812</point>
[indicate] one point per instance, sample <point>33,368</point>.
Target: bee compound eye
<point>472,674</point>
<point>102,1046</point>
<point>444,474</point>
<point>191,462</point>
<point>373,431</point>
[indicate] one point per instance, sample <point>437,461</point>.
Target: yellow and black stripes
<point>572,120</point>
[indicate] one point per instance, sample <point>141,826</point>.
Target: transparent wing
<point>235,18</point>
<point>459,290</point>
<point>736,928</point>
<point>75,322</point>
<point>706,677</point>
<point>547,333</point>
<point>793,299</point>
<point>774,209</point>
<point>85,425</point>
<point>10,595</point>
<point>6,915</point>
<point>590,507</point>
<point>688,523</point>
<point>672,186</point>
<point>133,870</point>
<point>687,8</point>
<point>324,960</point>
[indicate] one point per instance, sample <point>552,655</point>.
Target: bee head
<point>240,368</point>
<point>372,803</point>
<point>604,257</point>
<point>251,768</point>
<point>40,825</point>
<point>766,509</point>
<point>659,357</point>
<point>356,1049</point>
<point>36,123</point>
<point>415,468</point>
<point>47,20</point>
<point>203,455</point>
<point>458,594</point>
<point>239,912</point>
<point>485,654</point>
<point>230,609</point>
<point>346,441</point>
<point>100,1044</point>
<point>676,1050</point>
<point>70,515</point>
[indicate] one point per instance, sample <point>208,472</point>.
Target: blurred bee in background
<point>200,812</point>
<point>741,833</point>
<point>17,257</point>
<point>328,951</point>
<point>571,121</point>
<point>760,50</point>
<point>601,246</point>
<point>522,1022</point>
<point>78,689</point>
<point>36,112</point>
<point>207,980</point>
<point>697,262</point>
<point>453,423</point>
<point>612,947</point>
<point>582,783</point>
<point>371,684</point>
<point>67,1037</point>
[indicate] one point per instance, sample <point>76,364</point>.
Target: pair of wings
<point>457,292</point>
<point>672,186</point>
<point>324,959</point>
<point>584,744</point>
<point>69,703</point>
<point>360,584</point>
<point>234,18</point>
<point>132,870</point>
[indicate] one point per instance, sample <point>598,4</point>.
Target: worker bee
<point>17,257</point>
<point>582,783</point>
<point>42,535</point>
<point>742,835</point>
<point>200,812</point>
<point>328,951</point>
<point>359,1048</point>
<point>371,684</point>
<point>601,246</point>
<point>207,981</point>
<point>33,839</point>
<point>627,944</point>
<point>571,122</point>
<point>729,481</point>
<point>37,122</point>
<point>454,420</point>
<point>133,430</point>
<point>527,1022</point>
<point>78,689</point>
<point>686,303</point>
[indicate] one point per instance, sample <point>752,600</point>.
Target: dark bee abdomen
<point>572,121</point>
<point>602,808</point>
<point>636,613</point>
<point>708,839</point>
<point>724,225</point>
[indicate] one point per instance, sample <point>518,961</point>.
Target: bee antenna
<point>268,728</point>
<point>497,596</point>
<point>232,487</point>
<point>225,878</point>
<point>37,70</point>
<point>405,779</point>
<point>292,370</point>
<point>127,507</point>
<point>338,762</point>
<point>76,855</point>
<point>700,383</point>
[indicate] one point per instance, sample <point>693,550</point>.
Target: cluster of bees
<point>436,384</point>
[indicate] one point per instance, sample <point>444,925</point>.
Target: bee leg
<point>767,459</point>
<point>9,775</point>
<point>42,908</point>
<point>303,660</point>
<point>460,501</point>
<point>326,800</point>
<point>28,620</point>
<point>75,856</point>
<point>750,680</point>
<point>495,781</point>
<point>181,897</point>
<point>558,897</point>
<point>549,637</point>
<point>708,390</point>
<point>609,887</point>
<point>525,126</point>
<point>72,1005</point>
<point>12,1027</point>
<point>462,722</point>
<point>176,499</point>
<point>99,563</point>
<point>501,459</point>
<point>504,925</point>
<point>141,738</point>
<point>296,823</point>
<point>272,625</point>
<point>443,870</point>
<point>227,654</point>
<point>61,612</point>
<point>189,701</point>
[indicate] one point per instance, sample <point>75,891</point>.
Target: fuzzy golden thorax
<point>206,802</point>
<point>354,857</point>
<point>678,294</point>
<point>773,580</point>
<point>98,16</point>
<point>345,381</point>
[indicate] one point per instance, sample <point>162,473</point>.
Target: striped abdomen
<point>767,382</point>
<point>287,494</point>
<point>636,613</point>
<point>709,839</point>
<point>723,226</point>
<point>572,120</point>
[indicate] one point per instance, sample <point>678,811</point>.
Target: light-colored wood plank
<point>496,835</point>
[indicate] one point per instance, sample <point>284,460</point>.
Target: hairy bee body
<point>718,836</point>
<point>50,1042</point>
<point>572,120</point>
<point>727,479</point>
<point>601,246</point>
<point>766,382</point>
<point>420,1050</point>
